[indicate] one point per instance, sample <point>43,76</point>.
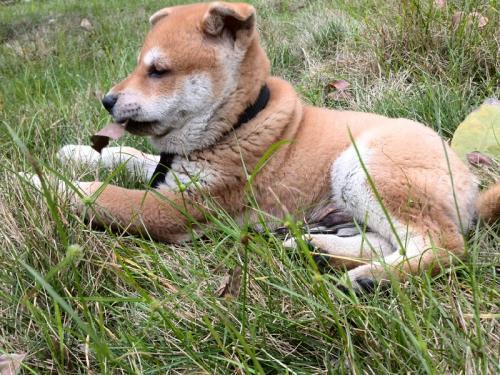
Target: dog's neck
<point>166,158</point>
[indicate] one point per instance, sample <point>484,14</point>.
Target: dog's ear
<point>162,13</point>
<point>236,18</point>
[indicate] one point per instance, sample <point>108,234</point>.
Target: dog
<point>203,94</point>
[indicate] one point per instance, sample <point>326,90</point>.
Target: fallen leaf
<point>440,4</point>
<point>102,137</point>
<point>10,363</point>
<point>480,131</point>
<point>339,92</point>
<point>482,21</point>
<point>456,18</point>
<point>471,18</point>
<point>230,285</point>
<point>339,96</point>
<point>339,85</point>
<point>478,159</point>
<point>86,25</point>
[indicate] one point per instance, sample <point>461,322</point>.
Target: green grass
<point>122,304</point>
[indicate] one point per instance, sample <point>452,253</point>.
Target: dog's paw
<point>291,243</point>
<point>320,258</point>
<point>34,180</point>
<point>77,192</point>
<point>79,155</point>
<point>364,279</point>
<point>31,178</point>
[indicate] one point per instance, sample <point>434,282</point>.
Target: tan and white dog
<point>201,67</point>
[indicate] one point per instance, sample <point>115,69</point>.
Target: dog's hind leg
<point>347,252</point>
<point>406,197</point>
<point>421,253</point>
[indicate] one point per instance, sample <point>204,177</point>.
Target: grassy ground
<point>121,304</point>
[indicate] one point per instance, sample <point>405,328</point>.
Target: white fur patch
<point>80,155</point>
<point>351,191</point>
<point>190,174</point>
<point>152,55</point>
<point>199,103</point>
<point>63,190</point>
<point>135,161</point>
<point>186,113</point>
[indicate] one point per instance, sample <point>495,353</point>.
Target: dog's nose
<point>109,102</point>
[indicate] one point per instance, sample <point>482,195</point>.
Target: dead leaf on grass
<point>10,363</point>
<point>339,96</point>
<point>478,159</point>
<point>440,4</point>
<point>339,92</point>
<point>479,132</point>
<point>471,18</point>
<point>86,24</point>
<point>230,285</point>
<point>339,85</point>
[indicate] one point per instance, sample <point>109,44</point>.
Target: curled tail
<point>488,203</point>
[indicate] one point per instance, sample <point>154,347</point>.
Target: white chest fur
<point>185,173</point>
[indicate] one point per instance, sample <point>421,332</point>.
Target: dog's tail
<point>488,203</point>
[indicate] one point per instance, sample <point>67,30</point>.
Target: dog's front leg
<point>162,214</point>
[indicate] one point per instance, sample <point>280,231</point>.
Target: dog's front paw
<point>87,189</point>
<point>76,193</point>
<point>79,155</point>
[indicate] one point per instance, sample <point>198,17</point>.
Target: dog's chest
<point>184,173</point>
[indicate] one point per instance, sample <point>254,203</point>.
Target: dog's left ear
<point>238,19</point>
<point>162,13</point>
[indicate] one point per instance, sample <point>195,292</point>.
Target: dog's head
<point>193,60</point>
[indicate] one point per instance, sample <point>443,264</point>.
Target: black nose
<point>109,102</point>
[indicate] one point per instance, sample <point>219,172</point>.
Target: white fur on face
<point>151,56</point>
<point>190,104</point>
<point>190,112</point>
<point>196,133</point>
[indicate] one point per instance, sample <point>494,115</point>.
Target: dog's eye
<point>155,72</point>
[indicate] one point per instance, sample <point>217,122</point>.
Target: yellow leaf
<point>480,131</point>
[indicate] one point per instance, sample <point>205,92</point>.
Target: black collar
<point>250,112</point>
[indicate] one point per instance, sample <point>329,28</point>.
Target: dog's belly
<point>407,161</point>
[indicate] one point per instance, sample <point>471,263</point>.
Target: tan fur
<point>488,204</point>
<point>407,161</point>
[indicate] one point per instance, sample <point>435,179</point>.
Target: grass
<point>77,300</point>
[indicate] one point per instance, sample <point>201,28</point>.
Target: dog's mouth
<point>142,128</point>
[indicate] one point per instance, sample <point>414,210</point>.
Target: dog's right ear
<point>162,13</point>
<point>236,18</point>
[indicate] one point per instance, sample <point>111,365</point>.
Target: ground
<point>78,300</point>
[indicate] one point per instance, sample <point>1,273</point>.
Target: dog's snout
<point>109,102</point>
